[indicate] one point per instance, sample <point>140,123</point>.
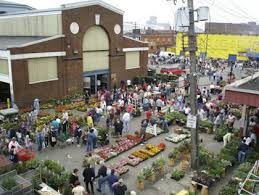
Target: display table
<point>46,190</point>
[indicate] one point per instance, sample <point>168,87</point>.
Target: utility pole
<point>193,87</point>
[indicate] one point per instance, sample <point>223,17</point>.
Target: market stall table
<point>46,190</point>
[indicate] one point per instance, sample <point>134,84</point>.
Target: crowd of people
<point>107,180</point>
<point>116,109</point>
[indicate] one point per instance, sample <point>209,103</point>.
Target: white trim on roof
<point>135,49</point>
<point>234,86</point>
<point>38,41</point>
<point>32,13</point>
<point>90,3</point>
<point>4,54</point>
<point>130,38</point>
<point>37,55</point>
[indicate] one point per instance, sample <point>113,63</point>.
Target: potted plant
<point>161,163</point>
<point>140,181</point>
<point>173,156</point>
<point>177,174</point>
<point>149,174</point>
<point>206,125</point>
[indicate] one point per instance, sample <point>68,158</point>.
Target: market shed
<point>243,92</point>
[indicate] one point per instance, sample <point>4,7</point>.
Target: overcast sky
<point>139,10</point>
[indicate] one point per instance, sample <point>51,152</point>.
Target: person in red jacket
<point>149,114</point>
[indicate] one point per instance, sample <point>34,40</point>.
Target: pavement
<point>72,157</point>
<point>163,186</point>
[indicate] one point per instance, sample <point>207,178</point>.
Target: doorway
<point>4,92</point>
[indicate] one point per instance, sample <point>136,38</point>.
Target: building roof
<point>249,28</point>
<point>14,4</point>
<point>244,91</point>
<point>64,7</point>
<point>9,41</point>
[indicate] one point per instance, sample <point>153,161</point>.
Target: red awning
<point>236,97</point>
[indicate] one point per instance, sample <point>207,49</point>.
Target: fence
<point>23,186</point>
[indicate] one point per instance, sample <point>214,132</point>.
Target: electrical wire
<point>232,12</point>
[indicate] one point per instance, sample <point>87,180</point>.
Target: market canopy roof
<point>244,91</point>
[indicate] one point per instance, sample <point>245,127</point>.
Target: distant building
<point>9,7</point>
<point>231,28</point>
<point>153,24</point>
<point>159,40</point>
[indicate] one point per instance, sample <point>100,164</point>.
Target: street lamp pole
<point>193,86</point>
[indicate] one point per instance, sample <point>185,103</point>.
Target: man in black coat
<point>73,177</point>
<point>118,126</point>
<point>89,177</point>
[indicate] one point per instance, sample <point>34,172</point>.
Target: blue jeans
<point>94,142</point>
<point>89,146</point>
<point>241,156</point>
<point>125,126</point>
<point>102,184</point>
<point>111,190</point>
<point>97,118</point>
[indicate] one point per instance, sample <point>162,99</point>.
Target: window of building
<point>169,40</point>
<point>157,39</point>
<point>4,67</point>
<point>132,59</point>
<point>42,70</point>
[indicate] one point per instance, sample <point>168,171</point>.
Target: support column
<point>245,119</point>
<point>95,80</point>
<point>10,72</point>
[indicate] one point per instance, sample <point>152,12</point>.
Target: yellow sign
<point>220,45</point>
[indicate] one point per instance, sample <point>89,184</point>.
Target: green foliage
<point>236,112</point>
<point>185,146</point>
<point>174,154</point>
<point>32,164</point>
<point>239,175</point>
<point>20,168</point>
<point>102,132</point>
<point>9,183</point>
<point>158,164</point>
<point>205,124</point>
<point>148,172</point>
<point>177,174</point>
<point>176,116</point>
<point>220,132</point>
<point>54,166</point>
<point>141,176</point>
<point>228,190</point>
<point>9,125</point>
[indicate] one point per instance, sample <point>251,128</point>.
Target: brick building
<point>159,40</point>
<point>48,54</point>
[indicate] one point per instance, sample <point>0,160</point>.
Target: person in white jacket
<point>126,120</point>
